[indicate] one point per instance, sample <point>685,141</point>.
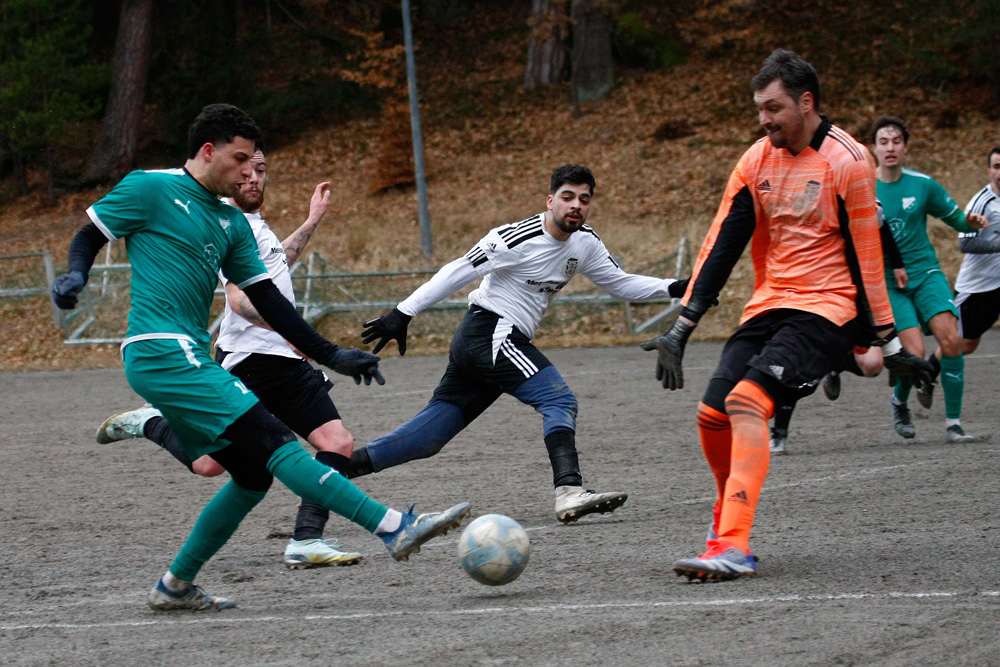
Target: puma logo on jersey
<point>908,203</point>
<point>183,206</point>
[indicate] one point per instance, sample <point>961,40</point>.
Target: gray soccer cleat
<point>831,385</point>
<point>302,554</point>
<point>573,502</point>
<point>779,441</point>
<point>192,599</point>
<point>415,529</point>
<point>902,421</point>
<point>954,433</point>
<point>925,394</point>
<point>126,426</point>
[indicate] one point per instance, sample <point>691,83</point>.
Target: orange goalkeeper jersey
<point>811,221</point>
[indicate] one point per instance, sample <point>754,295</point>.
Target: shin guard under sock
<point>216,524</point>
<point>953,384</point>
<point>561,445</point>
<point>311,480</point>
<point>158,430</point>
<point>311,518</point>
<point>749,407</point>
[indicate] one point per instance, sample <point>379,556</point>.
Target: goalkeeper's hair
<point>220,124</point>
<point>574,174</point>
<point>797,75</point>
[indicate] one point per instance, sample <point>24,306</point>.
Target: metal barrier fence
<point>322,291</point>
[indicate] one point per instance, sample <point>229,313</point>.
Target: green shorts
<point>194,393</point>
<point>924,297</point>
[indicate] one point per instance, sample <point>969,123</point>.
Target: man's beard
<point>249,201</point>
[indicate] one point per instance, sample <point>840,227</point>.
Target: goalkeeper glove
<point>670,349</point>
<point>357,364</point>
<point>391,326</point>
<point>65,289</point>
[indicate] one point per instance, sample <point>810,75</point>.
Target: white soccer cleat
<point>573,502</point>
<point>126,426</point>
<point>779,441</point>
<point>302,554</point>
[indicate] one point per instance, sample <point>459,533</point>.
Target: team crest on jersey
<point>212,257</point>
<point>225,224</point>
<point>908,203</point>
<point>807,199</point>
<point>571,265</point>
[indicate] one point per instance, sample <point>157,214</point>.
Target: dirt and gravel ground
<point>873,550</point>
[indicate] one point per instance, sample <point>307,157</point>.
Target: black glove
<point>903,364</point>
<point>671,350</point>
<point>391,326</point>
<point>65,289</point>
<point>678,287</point>
<point>357,364</point>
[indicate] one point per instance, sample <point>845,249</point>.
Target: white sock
<point>952,422</point>
<point>896,401</point>
<point>390,522</point>
<point>175,584</point>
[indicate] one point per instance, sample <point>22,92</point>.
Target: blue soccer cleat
<point>719,563</point>
<point>415,529</point>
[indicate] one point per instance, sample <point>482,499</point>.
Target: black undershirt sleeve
<point>84,248</point>
<point>279,312</point>
<point>734,234</point>
<point>889,248</point>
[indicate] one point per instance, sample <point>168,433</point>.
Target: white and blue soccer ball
<point>494,549</point>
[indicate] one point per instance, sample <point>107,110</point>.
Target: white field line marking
<point>540,609</point>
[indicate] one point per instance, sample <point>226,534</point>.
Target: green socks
<point>953,383</point>
<point>216,524</point>
<point>320,484</point>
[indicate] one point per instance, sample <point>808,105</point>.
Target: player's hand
<point>319,201</point>
<point>678,287</point>
<point>977,221</point>
<point>65,289</point>
<point>357,364</point>
<point>670,352</point>
<point>391,326</point>
<point>901,278</point>
<point>903,364</point>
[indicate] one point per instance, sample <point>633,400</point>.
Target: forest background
<point>653,96</point>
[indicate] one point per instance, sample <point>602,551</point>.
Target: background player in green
<point>923,303</point>
<point>178,235</point>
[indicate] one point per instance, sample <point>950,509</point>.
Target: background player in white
<point>287,385</point>
<point>523,265</point>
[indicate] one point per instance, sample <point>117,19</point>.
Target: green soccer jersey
<point>178,236</point>
<point>907,203</point>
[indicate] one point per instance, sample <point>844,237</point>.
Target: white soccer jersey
<point>238,335</point>
<point>980,272</point>
<point>523,267</point>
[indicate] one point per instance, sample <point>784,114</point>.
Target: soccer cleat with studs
<point>416,529</point>
<point>194,598</point>
<point>779,441</point>
<point>831,385</point>
<point>302,554</point>
<point>901,420</point>
<point>573,502</point>
<point>126,426</point>
<point>955,433</point>
<point>720,563</point>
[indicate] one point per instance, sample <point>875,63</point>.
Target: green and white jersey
<point>178,236</point>
<point>907,203</point>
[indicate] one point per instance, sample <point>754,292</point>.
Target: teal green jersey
<point>907,203</point>
<point>178,236</point>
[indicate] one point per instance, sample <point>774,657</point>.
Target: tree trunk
<point>114,155</point>
<point>593,67</point>
<point>547,49</point>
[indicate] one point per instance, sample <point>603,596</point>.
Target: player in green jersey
<point>923,302</point>
<point>178,235</point>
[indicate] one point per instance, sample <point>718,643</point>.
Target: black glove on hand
<point>903,364</point>
<point>357,364</point>
<point>678,287</point>
<point>671,350</point>
<point>65,289</point>
<point>391,326</point>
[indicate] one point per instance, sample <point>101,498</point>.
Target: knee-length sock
<point>311,518</point>
<point>749,407</point>
<point>953,384</point>
<point>716,436</point>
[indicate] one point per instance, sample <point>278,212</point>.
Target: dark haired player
<point>523,265</point>
<point>178,235</point>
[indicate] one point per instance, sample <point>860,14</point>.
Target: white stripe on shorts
<point>518,358</point>
<point>189,353</point>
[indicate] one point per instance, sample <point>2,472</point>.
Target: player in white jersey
<point>287,385</point>
<point>977,287</point>
<point>523,265</point>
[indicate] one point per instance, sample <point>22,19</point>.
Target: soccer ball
<point>493,549</point>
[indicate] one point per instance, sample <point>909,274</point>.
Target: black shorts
<point>792,348</point>
<point>977,313</point>
<point>489,356</point>
<point>291,389</point>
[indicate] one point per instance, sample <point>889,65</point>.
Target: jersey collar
<point>203,189</point>
<point>820,135</point>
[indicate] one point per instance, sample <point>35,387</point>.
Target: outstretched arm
<point>297,240</point>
